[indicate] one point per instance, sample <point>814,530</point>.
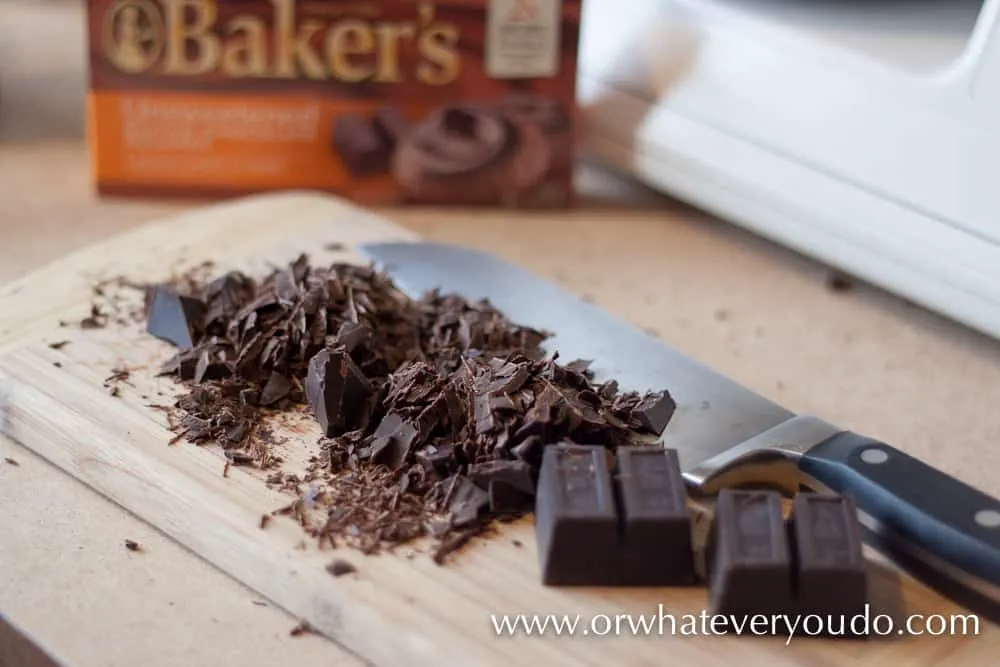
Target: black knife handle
<point>921,507</point>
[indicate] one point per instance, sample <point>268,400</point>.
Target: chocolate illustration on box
<point>382,101</point>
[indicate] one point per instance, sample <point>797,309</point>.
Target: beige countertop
<point>754,311</point>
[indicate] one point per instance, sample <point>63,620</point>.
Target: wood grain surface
<point>399,608</point>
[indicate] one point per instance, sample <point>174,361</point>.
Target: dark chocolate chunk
<point>361,148</point>
<point>751,570</point>
<point>391,125</point>
<point>336,390</point>
<point>392,440</point>
<point>277,388</point>
<point>576,523</point>
<point>352,334</point>
<point>132,545</point>
<point>830,576</point>
<point>467,502</point>
<point>515,474</point>
<point>656,522</point>
<point>654,412</point>
<point>208,367</point>
<point>510,484</point>
<point>172,317</point>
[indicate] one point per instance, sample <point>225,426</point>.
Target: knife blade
<point>940,529</point>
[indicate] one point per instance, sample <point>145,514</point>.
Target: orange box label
<point>457,101</point>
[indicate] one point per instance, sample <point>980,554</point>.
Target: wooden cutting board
<point>398,609</point>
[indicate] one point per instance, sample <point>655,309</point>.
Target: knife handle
<point>944,523</point>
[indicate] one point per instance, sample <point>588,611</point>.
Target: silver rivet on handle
<point>988,518</point>
<point>874,456</point>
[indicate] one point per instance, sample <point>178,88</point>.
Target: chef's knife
<point>939,528</point>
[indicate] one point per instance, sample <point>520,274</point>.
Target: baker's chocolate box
<point>461,102</point>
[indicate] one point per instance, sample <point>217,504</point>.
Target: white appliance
<point>865,133</point>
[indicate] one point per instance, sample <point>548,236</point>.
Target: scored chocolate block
<point>656,522</point>
<point>751,571</point>
<point>575,519</point>
<point>830,577</point>
<point>630,530</point>
<point>361,148</point>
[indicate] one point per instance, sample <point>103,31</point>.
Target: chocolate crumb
<point>11,461</point>
<point>115,391</point>
<point>838,282</point>
<point>339,567</point>
<point>259,603</point>
<point>265,519</point>
<point>132,545</point>
<point>97,319</point>
<point>334,247</point>
<point>304,627</point>
<point>57,364</point>
<point>225,469</point>
<point>517,543</point>
<point>58,345</point>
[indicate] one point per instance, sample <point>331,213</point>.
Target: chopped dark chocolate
<point>278,387</point>
<point>132,545</point>
<point>435,412</point>
<point>654,412</point>
<point>173,317</point>
<point>467,502</point>
<point>336,390</point>
<point>392,440</point>
<point>516,474</point>
<point>751,571</point>
<point>830,577</point>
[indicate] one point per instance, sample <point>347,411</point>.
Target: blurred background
<point>862,134</point>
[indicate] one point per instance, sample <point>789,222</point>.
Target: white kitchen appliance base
<point>857,135</point>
